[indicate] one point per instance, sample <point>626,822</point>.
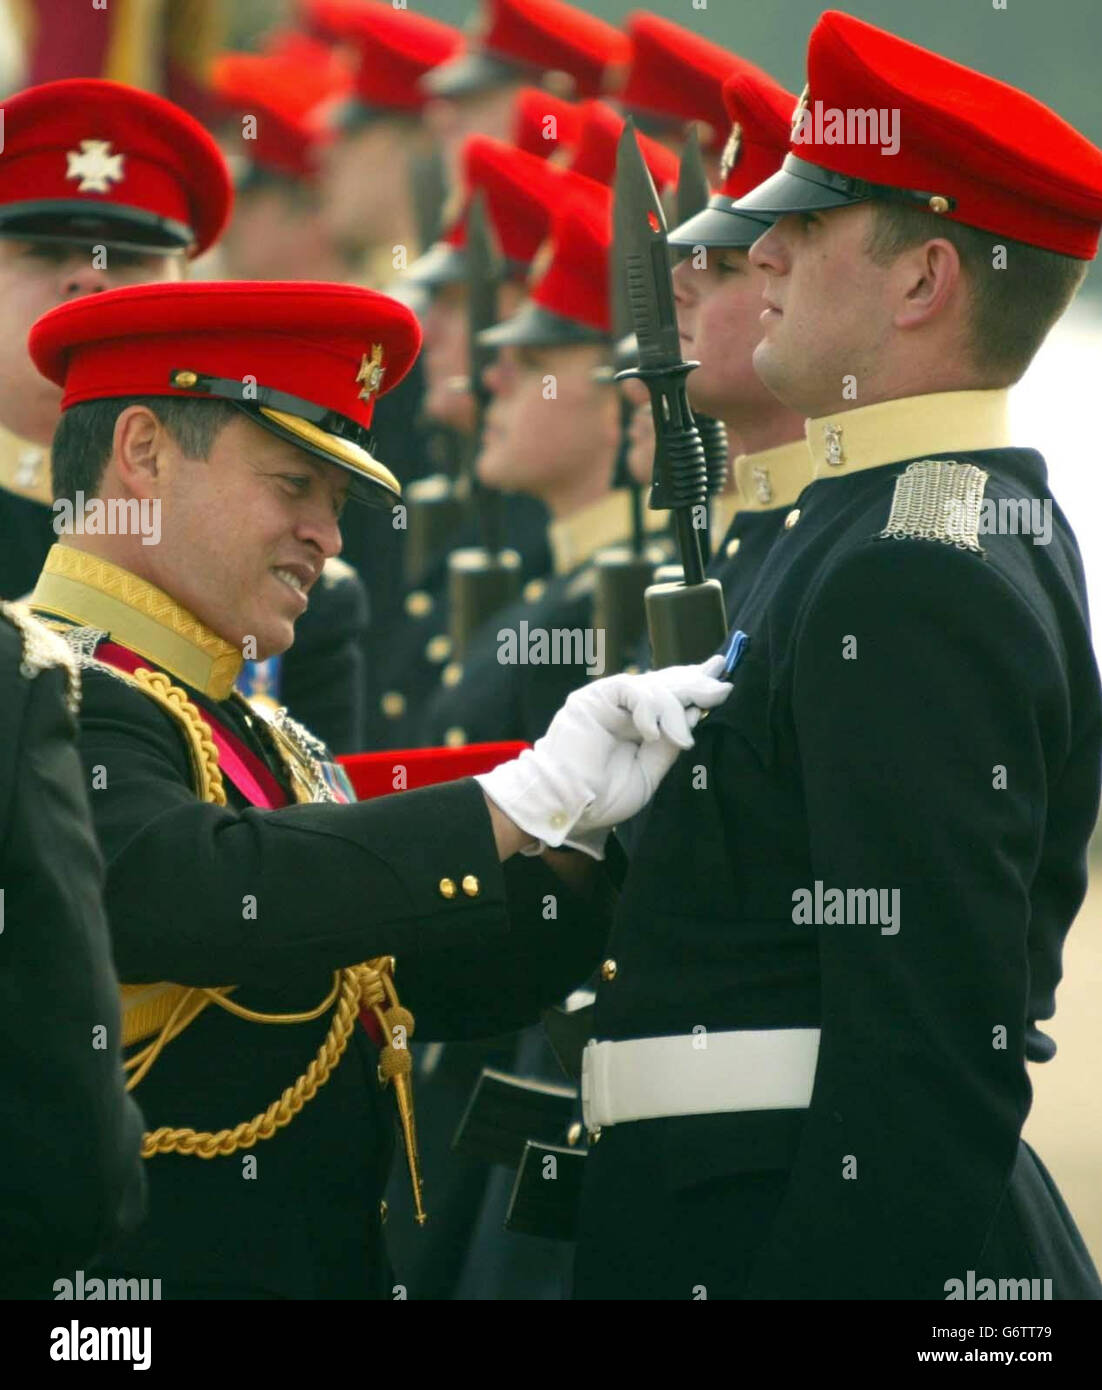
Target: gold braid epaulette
<point>368,985</point>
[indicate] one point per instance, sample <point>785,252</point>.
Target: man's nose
<point>322,529</point>
<point>768,252</point>
<point>684,287</point>
<point>80,276</point>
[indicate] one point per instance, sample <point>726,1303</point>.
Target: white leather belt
<point>698,1074</point>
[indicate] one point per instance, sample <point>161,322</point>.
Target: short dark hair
<point>84,436</point>
<point>1013,308</point>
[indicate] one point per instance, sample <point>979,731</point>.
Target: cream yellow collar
<point>95,593</point>
<point>576,538</point>
<point>946,422</point>
<point>25,468</point>
<point>772,477</point>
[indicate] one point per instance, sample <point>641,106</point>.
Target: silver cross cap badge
<point>835,454</point>
<point>94,166</point>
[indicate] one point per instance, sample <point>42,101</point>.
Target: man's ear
<point>928,277</point>
<point>138,441</point>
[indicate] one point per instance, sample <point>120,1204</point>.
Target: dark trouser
<point>680,1209</point>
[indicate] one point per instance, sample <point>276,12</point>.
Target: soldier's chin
<point>272,637</point>
<point>772,371</point>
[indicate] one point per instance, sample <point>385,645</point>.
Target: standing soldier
<point>72,1178</point>
<point>520,193</point>
<point>513,44</point>
<point>243,413</point>
<point>369,209</point>
<point>844,919</point>
<point>553,431</point>
<point>100,186</point>
<point>718,313</point>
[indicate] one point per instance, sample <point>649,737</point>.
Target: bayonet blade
<point>640,232</point>
<point>693,192</point>
<point>484,277</point>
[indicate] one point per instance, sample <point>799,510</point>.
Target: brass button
<point>608,969</point>
<point>383,1210</point>
<point>594,1134</point>
<point>791,519</point>
<point>731,548</point>
<point>438,648</point>
<point>455,737</point>
<point>418,604</point>
<point>471,886</point>
<point>574,1134</point>
<point>447,887</point>
<point>534,590</point>
<point>558,820</point>
<point>394,704</point>
<point>184,379</point>
<point>938,203</point>
<point>452,673</point>
<point>631,670</point>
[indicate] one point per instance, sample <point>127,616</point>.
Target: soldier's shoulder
<point>964,535</point>
<point>29,647</point>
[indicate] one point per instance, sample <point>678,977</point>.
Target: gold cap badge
<point>371,373</point>
<point>94,166</point>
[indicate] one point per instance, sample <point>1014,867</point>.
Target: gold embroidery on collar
<point>772,477</point>
<point>93,592</point>
<point>915,426</point>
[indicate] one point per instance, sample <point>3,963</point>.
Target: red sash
<point>239,763</point>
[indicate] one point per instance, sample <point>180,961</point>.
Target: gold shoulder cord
<point>168,1009</point>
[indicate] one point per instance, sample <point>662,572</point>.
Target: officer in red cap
<point>242,413</point>
<point>513,44</point>
<point>843,922</point>
<point>100,186</point>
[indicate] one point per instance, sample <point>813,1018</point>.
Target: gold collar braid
<point>93,592</point>
<point>168,1009</point>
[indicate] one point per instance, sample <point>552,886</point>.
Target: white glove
<point>604,754</point>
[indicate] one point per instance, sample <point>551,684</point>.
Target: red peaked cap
<point>546,36</point>
<point>396,48</point>
<point>760,111</point>
<point>595,152</point>
<point>296,357</point>
<point>521,190</point>
<point>576,282</point>
<point>1004,162</point>
<point>677,74</point>
<point>283,93</point>
<point>531,128</point>
<point>90,149</point>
